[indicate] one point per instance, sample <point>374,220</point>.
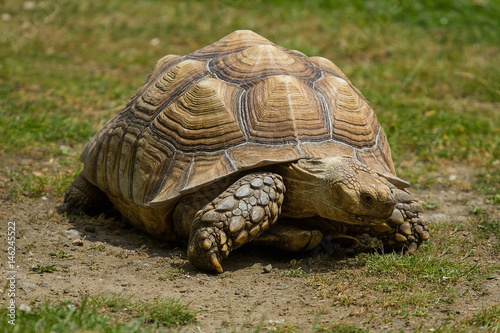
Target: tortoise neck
<point>303,190</point>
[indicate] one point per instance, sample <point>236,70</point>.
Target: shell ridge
<point>282,105</point>
<point>327,120</point>
<point>178,94</point>
<point>166,170</point>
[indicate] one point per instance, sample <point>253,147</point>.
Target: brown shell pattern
<point>240,103</point>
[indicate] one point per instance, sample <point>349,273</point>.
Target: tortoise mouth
<point>349,219</point>
<point>345,216</point>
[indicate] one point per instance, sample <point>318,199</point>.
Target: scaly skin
<point>404,230</point>
<point>246,210</point>
<point>84,197</point>
<point>409,230</point>
<point>238,215</point>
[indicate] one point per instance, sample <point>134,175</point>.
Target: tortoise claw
<point>216,264</point>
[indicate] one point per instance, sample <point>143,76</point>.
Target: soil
<point>110,257</point>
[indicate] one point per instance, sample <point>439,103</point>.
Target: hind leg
<point>84,197</point>
<point>289,237</point>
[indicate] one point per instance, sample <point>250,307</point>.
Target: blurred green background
<point>430,69</point>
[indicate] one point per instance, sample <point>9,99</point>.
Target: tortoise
<point>244,141</point>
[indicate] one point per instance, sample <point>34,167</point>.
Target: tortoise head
<point>343,189</point>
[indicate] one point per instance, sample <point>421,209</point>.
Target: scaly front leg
<point>407,227</point>
<point>238,215</point>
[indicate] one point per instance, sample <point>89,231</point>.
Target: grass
<point>62,255</point>
<point>73,89</point>
<point>433,85</point>
<point>428,68</point>
<point>408,287</point>
<point>100,314</point>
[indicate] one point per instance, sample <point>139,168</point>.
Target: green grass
<point>445,269</point>
<point>24,182</point>
<point>433,84</point>
<point>100,314</point>
<point>62,255</point>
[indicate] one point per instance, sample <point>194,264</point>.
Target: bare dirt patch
<point>68,258</point>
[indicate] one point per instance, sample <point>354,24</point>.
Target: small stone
<point>243,191</point>
<point>72,234</point>
<point>26,286</point>
<point>66,291</point>
<point>237,292</point>
<point>242,205</point>
<point>256,183</point>
<point>29,5</point>
<point>155,41</point>
<point>252,201</point>
<point>267,268</point>
<point>24,308</point>
<point>77,242</point>
<point>268,180</point>
<point>77,302</point>
<point>236,224</point>
<point>236,212</point>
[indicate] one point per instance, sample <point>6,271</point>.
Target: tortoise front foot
<point>410,230</point>
<point>238,215</point>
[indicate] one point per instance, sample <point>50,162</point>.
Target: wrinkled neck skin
<point>337,188</point>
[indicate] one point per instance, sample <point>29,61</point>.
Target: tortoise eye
<point>367,198</point>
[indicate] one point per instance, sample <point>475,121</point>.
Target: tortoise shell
<point>238,104</point>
